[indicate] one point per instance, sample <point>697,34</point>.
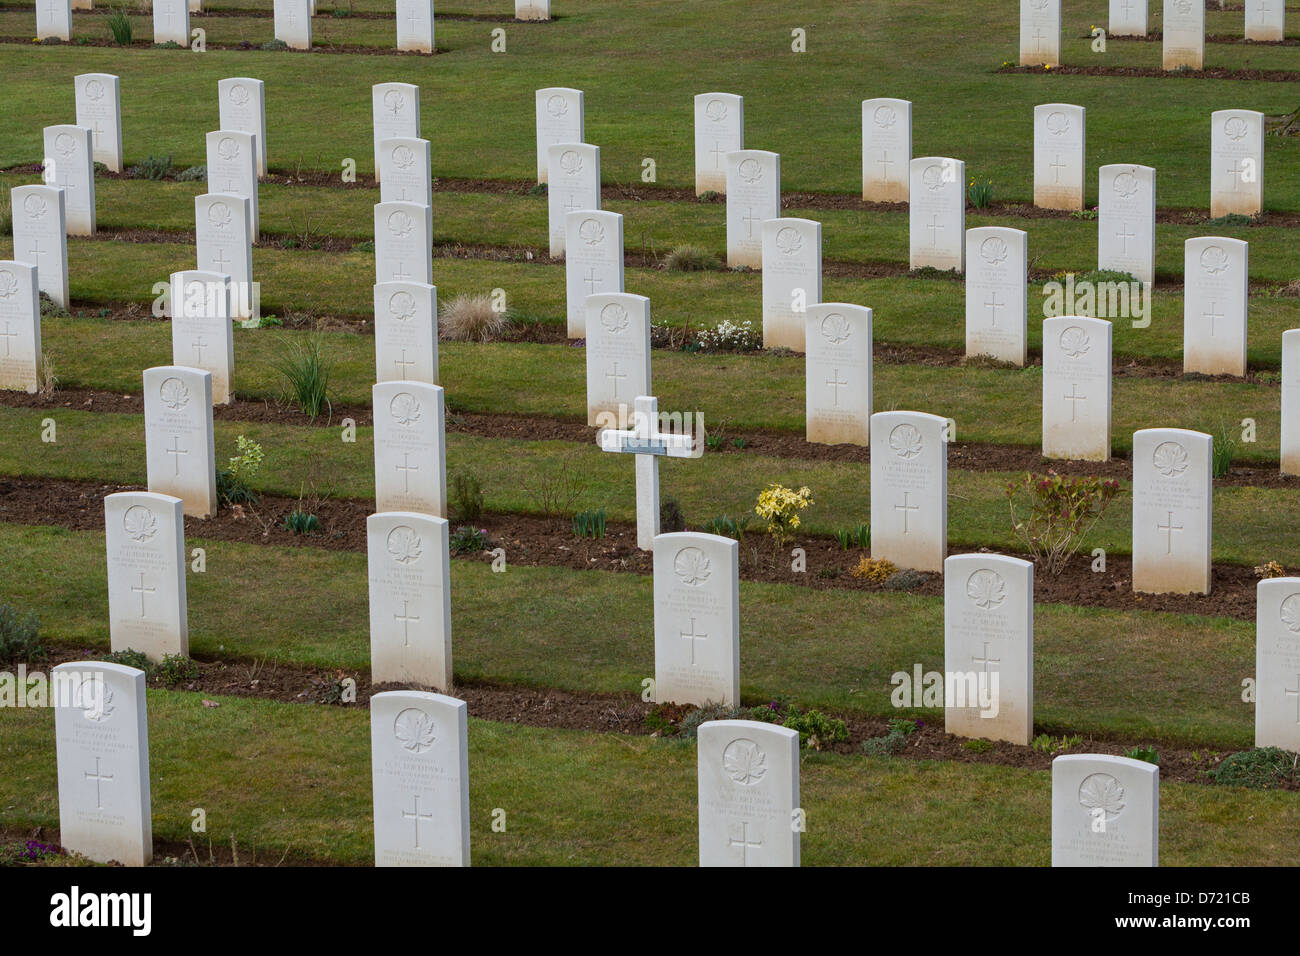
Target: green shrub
<point>858,536</point>
<point>129,658</point>
<point>306,373</point>
<point>1061,510</point>
<point>1261,769</point>
<point>671,518</point>
<point>275,45</point>
<point>1222,450</point>
<point>151,167</point>
<point>978,746</point>
<point>589,524</point>
<point>1046,743</point>
<point>887,746</point>
<point>980,194</point>
<point>192,174</point>
<point>816,730</point>
<point>233,481</point>
<point>1231,219</point>
<point>467,540</point>
<point>367,246</point>
<point>169,45</point>
<point>20,635</point>
<point>466,496</point>
<point>709,195</point>
<point>727,526</point>
<point>120,25</point>
<point>905,580</point>
<point>538,190</point>
<point>51,309</point>
<point>301,522</point>
<point>174,669</point>
<point>690,724</point>
<point>689,258</point>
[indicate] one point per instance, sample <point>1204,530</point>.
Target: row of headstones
<point>292,20</point>
<point>1183,29</point>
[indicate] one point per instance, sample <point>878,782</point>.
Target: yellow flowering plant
<point>779,506</point>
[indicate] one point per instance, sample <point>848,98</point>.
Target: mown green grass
<point>1097,672</point>
<point>804,106</point>
<point>295,778</point>
<point>110,447</point>
<point>732,391</point>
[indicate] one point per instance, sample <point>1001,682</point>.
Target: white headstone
<point>1265,20</point>
<point>147,606</point>
<point>697,619</point>
<point>53,19</point>
<point>1040,32</point>
<point>242,106</point>
<point>1172,509</point>
<point>232,169</point>
<point>202,335</point>
<point>404,242</point>
<point>410,448</point>
<point>1126,220</point>
<point>532,9</point>
<point>101,737</point>
<point>937,213</point>
<point>99,108</point>
<point>292,20</point>
<point>405,172</point>
<point>837,363</point>
<point>1215,297</point>
<point>1184,34</point>
<point>559,120</point>
<point>997,273</point>
<point>395,114</point>
<point>748,794</point>
<point>171,22</point>
<point>1105,811</point>
<point>1277,664</point>
<point>753,197</point>
<point>792,279</point>
<point>179,448</point>
<point>419,755</point>
<point>406,332</point>
<point>909,489</point>
<point>224,244</point>
<point>719,130</point>
<point>41,237</point>
<point>20,327</point>
<point>886,149</point>
<point>618,353</point>
<point>1060,145</point>
<point>410,599</point>
<point>1236,162</point>
<point>573,183</point>
<point>988,647</point>
<point>1291,402</point>
<point>1128,18</point>
<point>415,25</point>
<point>1076,388</point>
<point>70,165</point>
<point>593,261</point>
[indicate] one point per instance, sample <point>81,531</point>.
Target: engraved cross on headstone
<point>718,152</point>
<point>176,451</point>
<point>406,618</point>
<point>199,345</point>
<point>406,468</point>
<point>415,816</point>
<point>1074,398</point>
<point>1169,530</point>
<point>1236,170</point>
<point>99,778</point>
<point>7,336</point>
<point>1124,236</point>
<point>749,219</point>
<point>142,591</point>
<point>220,260</point>
<point>591,279</point>
<point>985,661</point>
<point>906,508</point>
<point>935,228</point>
<point>614,376</point>
<point>993,305</point>
<point>835,384</point>
<point>1211,314</point>
<point>886,162</point>
<point>744,844</point>
<point>403,364</point>
<point>1296,694</point>
<point>1057,166</point>
<point>400,274</point>
<point>693,637</point>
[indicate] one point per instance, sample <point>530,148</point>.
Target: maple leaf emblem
<point>994,251</point>
<point>227,148</point>
<point>905,439</point>
<point>8,284</point>
<point>744,762</point>
<point>405,408</point>
<point>1074,342</point>
<point>404,544</point>
<point>219,215</point>
<point>395,101</point>
<point>139,523</point>
<point>557,105</point>
<point>750,170</point>
<point>692,566</point>
<point>836,328</point>
<point>238,94</point>
<point>591,232</point>
<point>788,240</point>
<point>986,589</point>
<point>1170,459</point>
<point>95,700</point>
<point>400,224</point>
<point>401,305</point>
<point>933,177</point>
<point>65,145</point>
<point>403,157</point>
<point>1058,124</point>
<point>174,394</point>
<point>1126,185</point>
<point>1102,791</point>
<point>95,90</point>
<point>1214,260</point>
<point>414,730</point>
<point>34,206</point>
<point>1291,613</point>
<point>716,110</point>
<point>614,318</point>
<point>570,162</point>
<point>885,116</point>
<point>1235,128</point>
